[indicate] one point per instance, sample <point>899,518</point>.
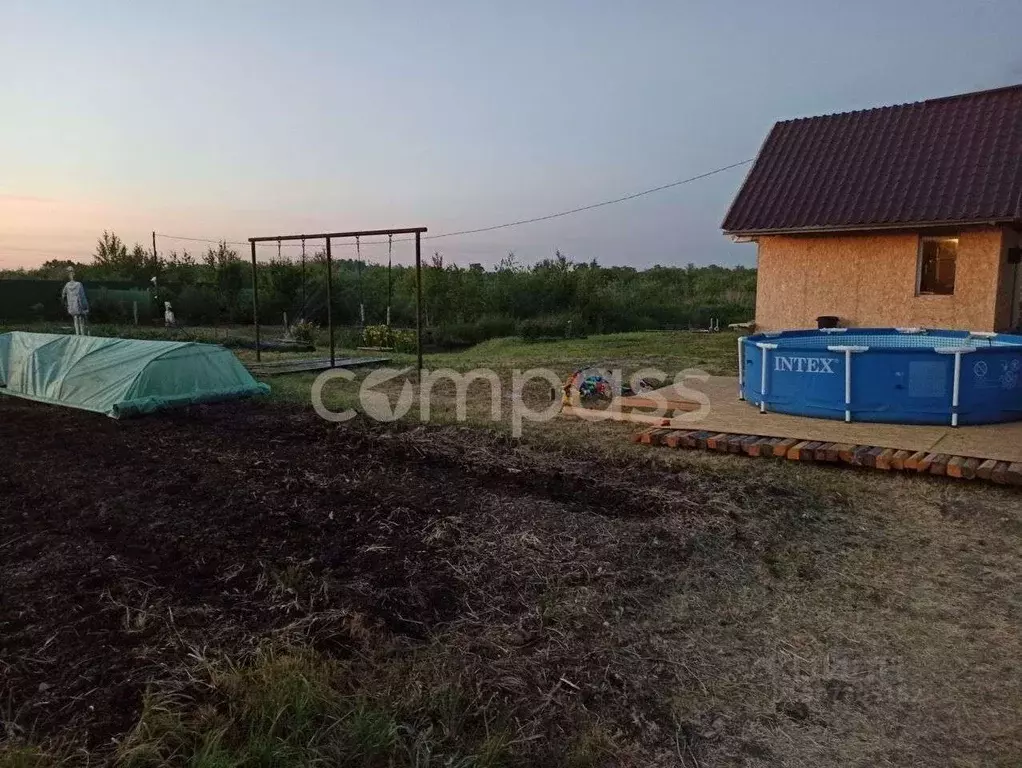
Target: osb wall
<point>1008,295</point>
<point>870,280</point>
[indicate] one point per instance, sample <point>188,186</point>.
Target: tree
<point>110,250</point>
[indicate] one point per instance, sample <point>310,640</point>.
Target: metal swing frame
<point>328,237</point>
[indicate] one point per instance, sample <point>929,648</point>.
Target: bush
<point>398,339</point>
<point>495,326</point>
<point>304,331</point>
<point>197,304</point>
<point>108,305</point>
<point>551,327</point>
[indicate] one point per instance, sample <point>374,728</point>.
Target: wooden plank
<point>846,453</point>
<point>898,459</point>
<point>969,467</point>
<point>834,451</point>
<point>782,447</point>
<point>939,465</point>
<point>820,454</point>
<point>1000,473</point>
<point>883,460</point>
<point>641,401</point>
<point>714,441</point>
<point>1014,475</point>
<point>985,469</point>
<point>954,466</point>
<point>795,452</point>
<point>925,462</point>
<point>912,462</point>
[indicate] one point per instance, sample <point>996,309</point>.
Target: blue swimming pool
<point>898,375</point>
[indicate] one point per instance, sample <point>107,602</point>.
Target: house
<point>904,216</point>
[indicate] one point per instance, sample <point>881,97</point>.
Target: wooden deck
<point>727,424</point>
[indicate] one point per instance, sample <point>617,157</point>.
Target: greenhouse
<point>120,377</point>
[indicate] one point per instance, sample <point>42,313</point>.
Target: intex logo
<point>804,364</point>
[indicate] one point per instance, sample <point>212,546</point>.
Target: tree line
<point>556,296</point>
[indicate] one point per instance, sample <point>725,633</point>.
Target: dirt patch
<point>583,603</point>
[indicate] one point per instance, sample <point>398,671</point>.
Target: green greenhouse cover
<point>120,377</point>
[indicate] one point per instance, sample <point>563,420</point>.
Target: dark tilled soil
<point>662,609</point>
<point>124,543</point>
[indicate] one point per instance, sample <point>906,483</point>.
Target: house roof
<point>944,161</point>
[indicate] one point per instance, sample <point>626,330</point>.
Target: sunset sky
<point>234,118</point>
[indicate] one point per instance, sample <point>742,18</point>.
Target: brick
<point>713,442</point>
<point>912,462</point>
<point>846,452</point>
<point>939,465</point>
<point>954,466</point>
<point>1014,474</point>
<point>985,469</point>
<point>655,436</point>
<point>673,439</point>
<point>795,452</point>
<point>969,467</point>
<point>898,459</point>
<point>861,455</point>
<point>883,460</point>
<point>639,437</point>
<point>748,442</point>
<point>782,447</point>
<point>702,438</point>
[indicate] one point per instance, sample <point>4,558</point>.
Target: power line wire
<point>509,224</point>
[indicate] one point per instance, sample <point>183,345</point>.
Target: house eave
<point>840,228</point>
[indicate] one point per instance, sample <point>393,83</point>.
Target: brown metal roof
<point>945,161</point>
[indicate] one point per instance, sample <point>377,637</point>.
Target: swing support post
<point>418,302</point>
<point>330,299</point>
<point>328,237</point>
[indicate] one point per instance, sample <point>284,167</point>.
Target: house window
<point>937,256</point>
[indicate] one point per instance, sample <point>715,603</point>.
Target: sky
<point>240,118</point>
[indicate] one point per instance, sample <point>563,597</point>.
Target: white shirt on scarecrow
<point>75,302</point>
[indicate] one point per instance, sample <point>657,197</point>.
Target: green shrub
<point>550,327</point>
<point>305,331</point>
<point>495,326</point>
<point>398,339</point>
<point>108,305</point>
<point>197,305</point>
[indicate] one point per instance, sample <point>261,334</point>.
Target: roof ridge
<point>902,105</point>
